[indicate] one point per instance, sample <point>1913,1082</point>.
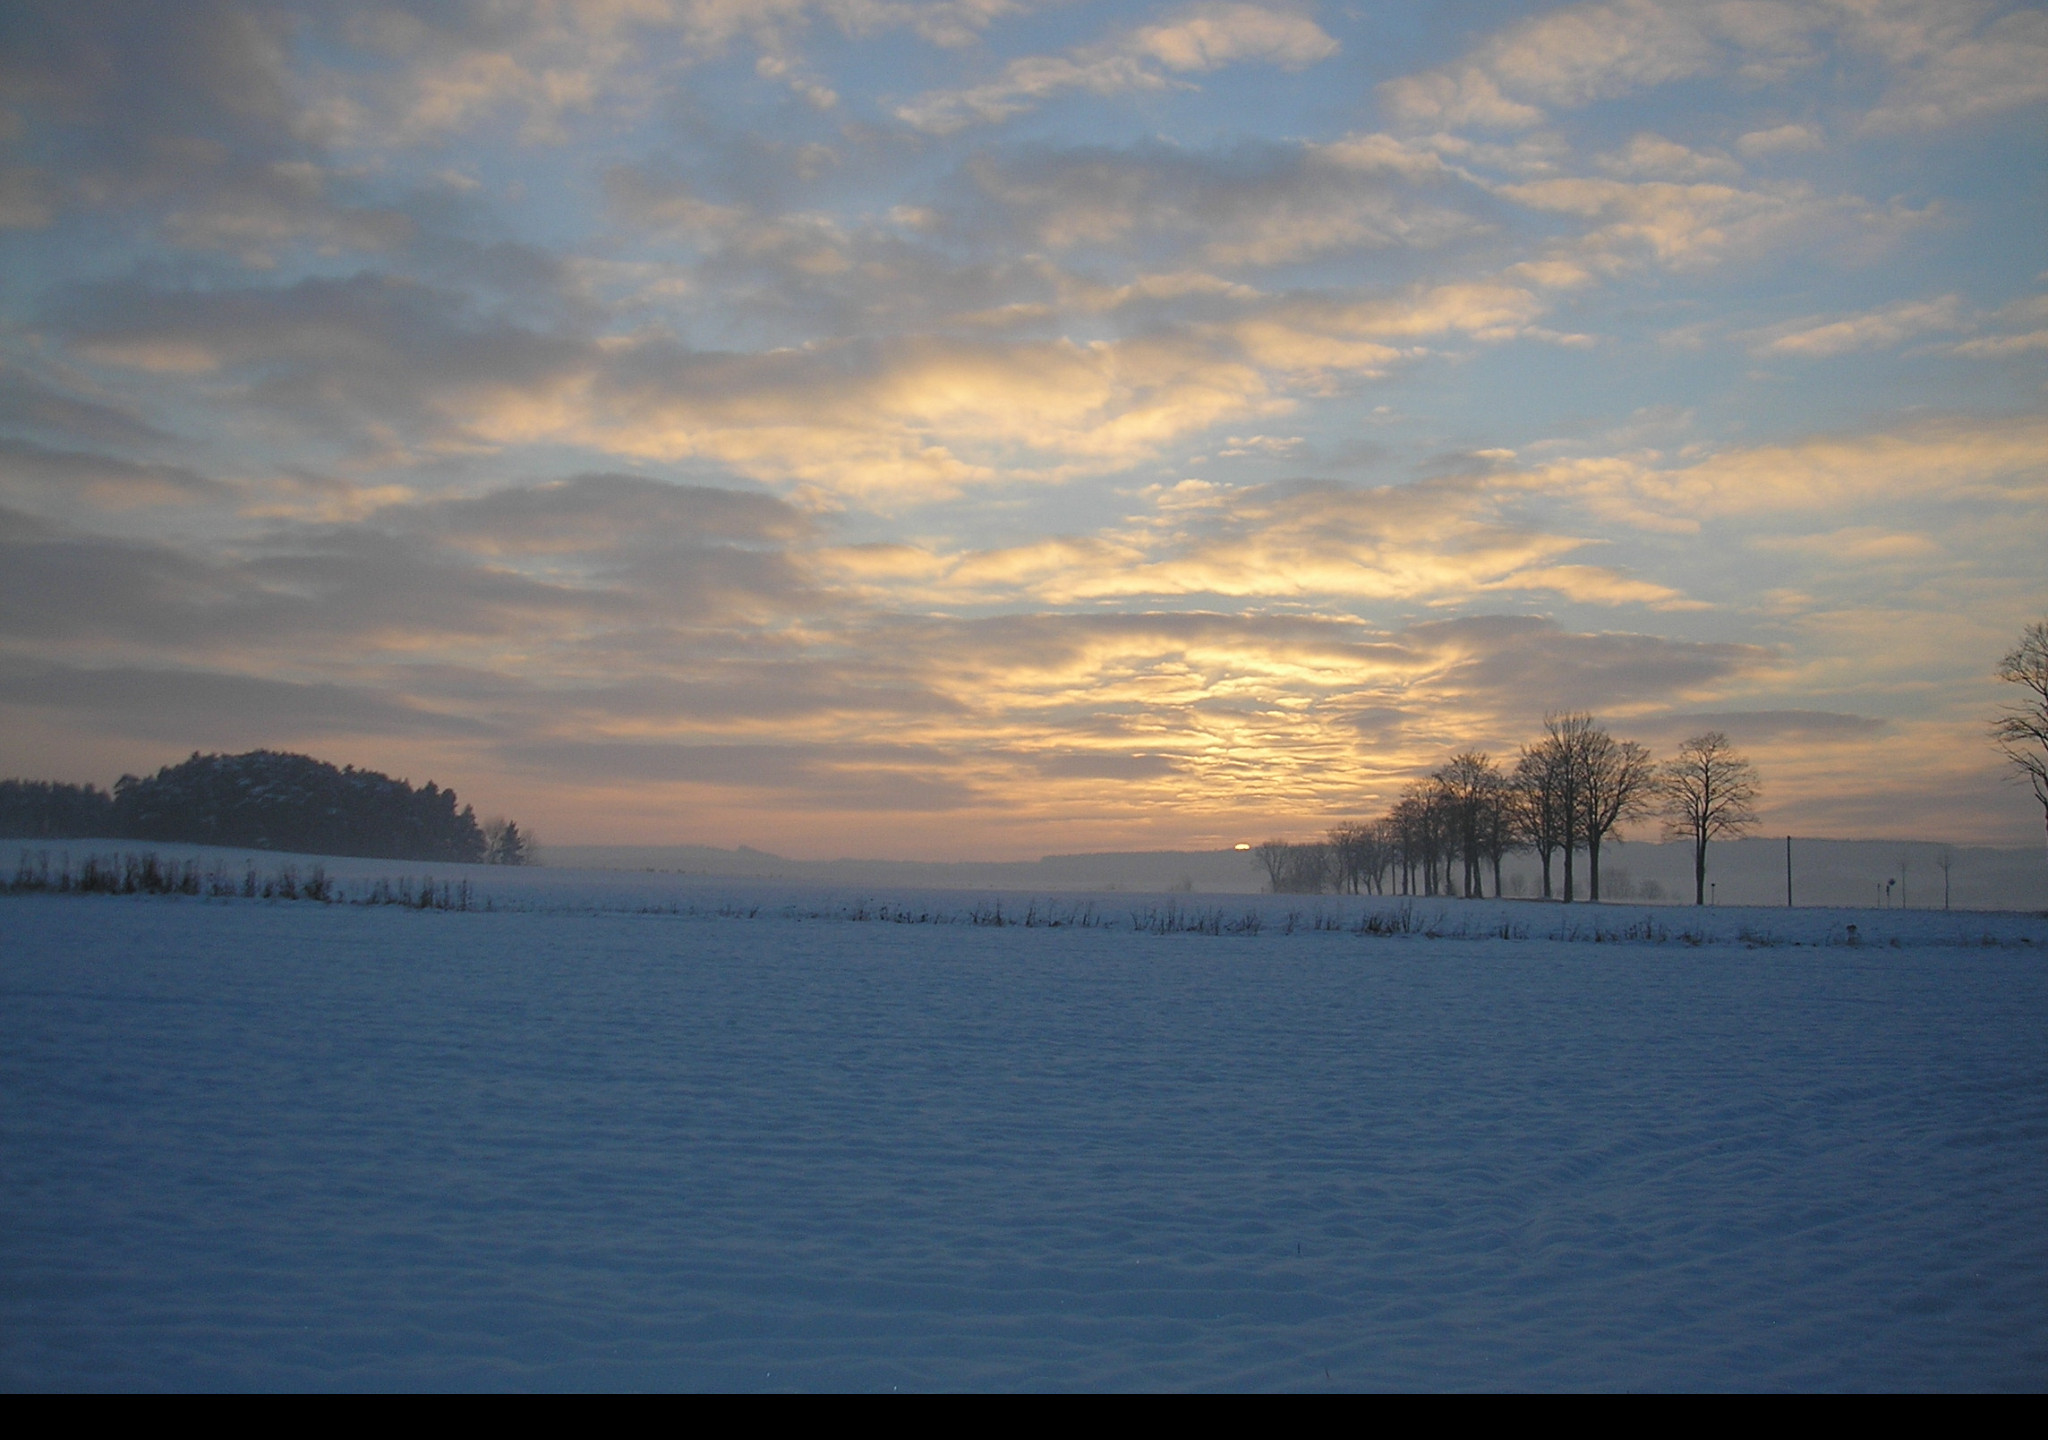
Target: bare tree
<point>1380,855</point>
<point>1430,836</point>
<point>1470,785</point>
<point>1274,855</point>
<point>1540,819</point>
<point>1424,834</point>
<point>1498,828</point>
<point>1709,792</point>
<point>1308,869</point>
<point>1358,854</point>
<point>1402,825</point>
<point>1414,821</point>
<point>1618,782</point>
<point>1439,838</point>
<point>2021,729</point>
<point>1347,855</point>
<point>1295,869</point>
<point>1569,739</point>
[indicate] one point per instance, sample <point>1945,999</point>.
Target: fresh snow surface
<point>623,1131</point>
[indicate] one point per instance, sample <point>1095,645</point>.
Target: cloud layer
<point>990,427</point>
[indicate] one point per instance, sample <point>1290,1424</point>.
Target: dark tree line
<point>1567,795</point>
<point>265,800</point>
<point>52,810</point>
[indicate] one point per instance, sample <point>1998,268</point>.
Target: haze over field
<point>979,429</point>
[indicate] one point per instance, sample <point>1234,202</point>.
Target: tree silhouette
<point>2021,730</point>
<point>506,844</point>
<point>1540,818</point>
<point>1360,852</point>
<point>46,810</point>
<point>271,800</point>
<point>1568,739</point>
<point>1471,788</point>
<point>264,799</point>
<point>1618,782</point>
<point>1709,792</point>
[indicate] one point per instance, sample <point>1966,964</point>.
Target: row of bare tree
<point>1568,793</point>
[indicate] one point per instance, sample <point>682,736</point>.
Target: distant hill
<point>264,799</point>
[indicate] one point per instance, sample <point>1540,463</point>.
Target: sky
<point>986,428</point>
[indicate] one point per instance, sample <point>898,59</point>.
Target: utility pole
<point>1788,872</point>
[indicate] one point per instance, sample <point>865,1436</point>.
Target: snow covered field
<point>629,1131</point>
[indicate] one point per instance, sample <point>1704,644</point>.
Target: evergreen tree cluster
<point>51,810</point>
<point>264,800</point>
